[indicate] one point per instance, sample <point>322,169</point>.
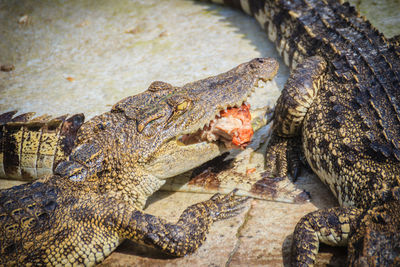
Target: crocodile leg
<point>297,96</point>
<point>329,226</point>
<point>185,236</point>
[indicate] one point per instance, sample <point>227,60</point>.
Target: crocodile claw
<point>283,157</point>
<point>222,207</point>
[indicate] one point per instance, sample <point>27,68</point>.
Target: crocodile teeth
<point>261,83</point>
<point>232,127</point>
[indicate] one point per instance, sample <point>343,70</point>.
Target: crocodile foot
<point>283,157</point>
<point>222,207</point>
<point>283,166</point>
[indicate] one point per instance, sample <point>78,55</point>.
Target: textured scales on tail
<point>30,148</point>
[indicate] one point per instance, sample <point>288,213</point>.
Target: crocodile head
<point>140,136</point>
<point>173,112</point>
<point>164,113</point>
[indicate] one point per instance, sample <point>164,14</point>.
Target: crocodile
<point>94,199</point>
<point>340,110</point>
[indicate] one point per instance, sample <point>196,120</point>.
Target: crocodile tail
<point>31,148</point>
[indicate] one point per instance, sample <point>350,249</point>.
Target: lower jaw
<point>182,158</point>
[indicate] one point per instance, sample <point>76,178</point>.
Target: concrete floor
<point>83,56</point>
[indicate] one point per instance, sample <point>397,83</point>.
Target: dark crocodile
<point>341,109</point>
<point>94,200</point>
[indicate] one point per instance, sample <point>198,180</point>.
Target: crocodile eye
<point>183,105</point>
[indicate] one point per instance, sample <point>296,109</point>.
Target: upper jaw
<point>249,99</point>
<point>229,89</point>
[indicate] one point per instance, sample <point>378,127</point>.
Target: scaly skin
<point>342,105</point>
<point>80,214</point>
<point>31,149</point>
<point>376,238</point>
